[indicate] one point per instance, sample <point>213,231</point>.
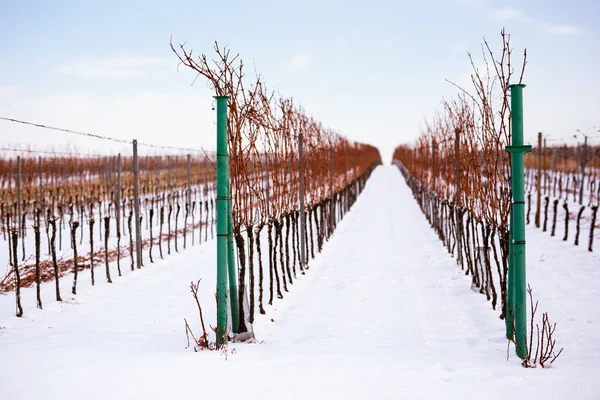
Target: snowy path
<point>383,313</point>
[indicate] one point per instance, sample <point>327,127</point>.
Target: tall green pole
<point>517,229</point>
<point>232,272</point>
<point>222,220</point>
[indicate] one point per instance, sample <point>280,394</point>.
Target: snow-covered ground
<point>383,313</point>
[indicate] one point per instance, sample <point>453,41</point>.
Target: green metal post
<point>517,275</point>
<point>222,220</point>
<point>231,269</point>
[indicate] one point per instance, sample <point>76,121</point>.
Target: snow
<point>383,313</point>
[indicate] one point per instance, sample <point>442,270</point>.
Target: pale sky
<point>372,70</point>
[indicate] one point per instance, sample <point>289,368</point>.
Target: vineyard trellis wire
<point>115,189</point>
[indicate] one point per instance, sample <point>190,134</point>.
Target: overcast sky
<point>373,70</point>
